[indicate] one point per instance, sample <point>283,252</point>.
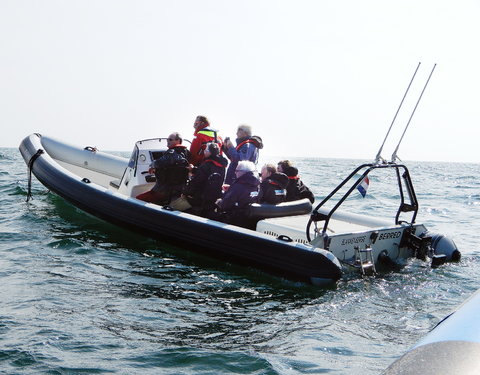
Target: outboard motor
<point>442,245</point>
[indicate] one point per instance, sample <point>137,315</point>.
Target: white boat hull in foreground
<point>452,347</point>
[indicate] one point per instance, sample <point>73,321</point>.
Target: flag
<point>363,186</point>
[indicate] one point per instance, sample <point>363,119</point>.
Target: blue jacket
<point>245,150</point>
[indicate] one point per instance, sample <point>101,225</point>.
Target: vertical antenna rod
<point>394,155</point>
<point>378,157</point>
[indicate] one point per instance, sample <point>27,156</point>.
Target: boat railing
<point>405,187</point>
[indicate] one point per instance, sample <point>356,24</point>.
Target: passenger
<point>233,207</point>
<point>296,189</point>
<point>273,185</point>
<point>205,187</point>
<point>246,149</point>
<point>171,172</point>
<point>202,135</point>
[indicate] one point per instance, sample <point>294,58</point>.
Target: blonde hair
<point>271,168</point>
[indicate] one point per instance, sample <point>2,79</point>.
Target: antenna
<point>378,157</point>
<point>394,155</point>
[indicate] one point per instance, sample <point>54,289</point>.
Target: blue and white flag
<point>363,186</point>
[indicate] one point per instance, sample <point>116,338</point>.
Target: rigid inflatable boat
<point>290,239</point>
<point>451,347</point>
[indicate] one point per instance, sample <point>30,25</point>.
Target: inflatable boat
<point>451,347</point>
<point>291,240</point>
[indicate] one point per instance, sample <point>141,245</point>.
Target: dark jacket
<point>273,189</point>
<point>171,169</point>
<point>205,187</point>
<point>241,193</point>
<point>296,189</point>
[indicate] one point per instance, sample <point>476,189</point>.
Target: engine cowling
<point>443,245</point>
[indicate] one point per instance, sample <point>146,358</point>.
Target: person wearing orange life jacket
<point>246,149</point>
<point>202,135</point>
<point>296,189</point>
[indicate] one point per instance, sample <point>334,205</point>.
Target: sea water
<point>81,296</point>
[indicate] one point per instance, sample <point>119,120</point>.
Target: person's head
<point>284,165</point>
<point>267,171</point>
<point>211,149</point>
<point>244,166</point>
<point>174,139</point>
<point>201,122</point>
<point>244,131</point>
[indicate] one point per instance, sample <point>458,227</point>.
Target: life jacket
<point>256,140</point>
<point>209,133</point>
<point>213,134</point>
<point>215,163</point>
<point>291,172</point>
<point>279,179</point>
<point>280,183</point>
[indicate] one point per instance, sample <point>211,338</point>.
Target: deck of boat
<point>295,227</point>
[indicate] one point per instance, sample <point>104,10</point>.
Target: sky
<point>314,78</point>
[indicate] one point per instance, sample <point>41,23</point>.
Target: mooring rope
<point>30,165</point>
